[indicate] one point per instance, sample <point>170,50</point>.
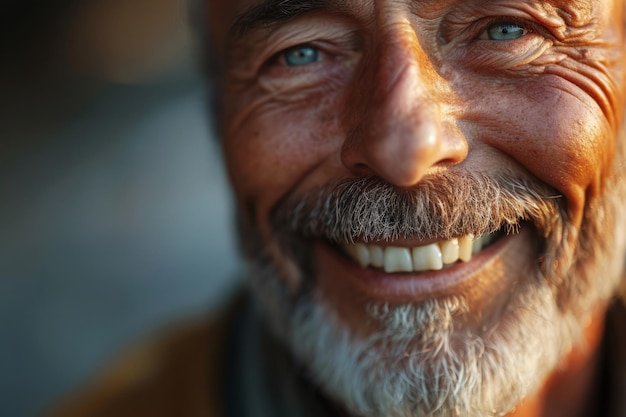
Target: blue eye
<point>505,31</point>
<point>301,55</point>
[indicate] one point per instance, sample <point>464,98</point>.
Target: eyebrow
<point>271,12</point>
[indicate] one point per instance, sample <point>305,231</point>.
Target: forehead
<point>229,10</point>
<point>229,16</point>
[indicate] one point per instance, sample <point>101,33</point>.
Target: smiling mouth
<point>430,257</point>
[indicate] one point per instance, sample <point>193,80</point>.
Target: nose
<point>401,129</point>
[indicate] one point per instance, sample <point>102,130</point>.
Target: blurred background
<point>114,212</point>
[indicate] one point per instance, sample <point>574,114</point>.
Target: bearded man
<point>431,205</point>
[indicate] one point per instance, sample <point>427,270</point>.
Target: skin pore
<point>319,94</point>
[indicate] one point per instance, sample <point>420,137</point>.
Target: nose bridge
<point>402,68</point>
<point>400,132</point>
<point>400,99</point>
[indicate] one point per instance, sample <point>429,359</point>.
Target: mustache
<point>441,206</point>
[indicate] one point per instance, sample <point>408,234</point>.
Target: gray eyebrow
<point>271,12</point>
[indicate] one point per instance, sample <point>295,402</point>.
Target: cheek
<point>274,151</point>
<point>562,141</point>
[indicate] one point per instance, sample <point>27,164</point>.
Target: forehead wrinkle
<point>576,13</point>
<point>267,13</point>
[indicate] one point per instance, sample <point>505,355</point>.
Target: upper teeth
<point>421,258</point>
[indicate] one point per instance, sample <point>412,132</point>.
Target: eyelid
<point>334,37</point>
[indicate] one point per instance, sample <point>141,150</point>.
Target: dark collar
<point>262,380</point>
<point>613,378</point>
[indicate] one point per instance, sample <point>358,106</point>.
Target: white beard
<point>420,364</point>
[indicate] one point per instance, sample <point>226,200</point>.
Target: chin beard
<point>421,361</point>
<point>406,371</point>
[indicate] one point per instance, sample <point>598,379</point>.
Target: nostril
<point>362,170</point>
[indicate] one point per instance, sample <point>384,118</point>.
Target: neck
<point>570,390</point>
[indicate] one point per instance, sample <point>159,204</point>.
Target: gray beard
<point>421,362</point>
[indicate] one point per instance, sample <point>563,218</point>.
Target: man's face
<point>427,176</point>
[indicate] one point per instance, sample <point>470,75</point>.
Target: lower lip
<point>455,279</point>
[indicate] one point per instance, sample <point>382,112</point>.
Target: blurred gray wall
<point>114,212</point>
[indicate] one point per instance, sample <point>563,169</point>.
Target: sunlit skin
<point>403,90</point>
